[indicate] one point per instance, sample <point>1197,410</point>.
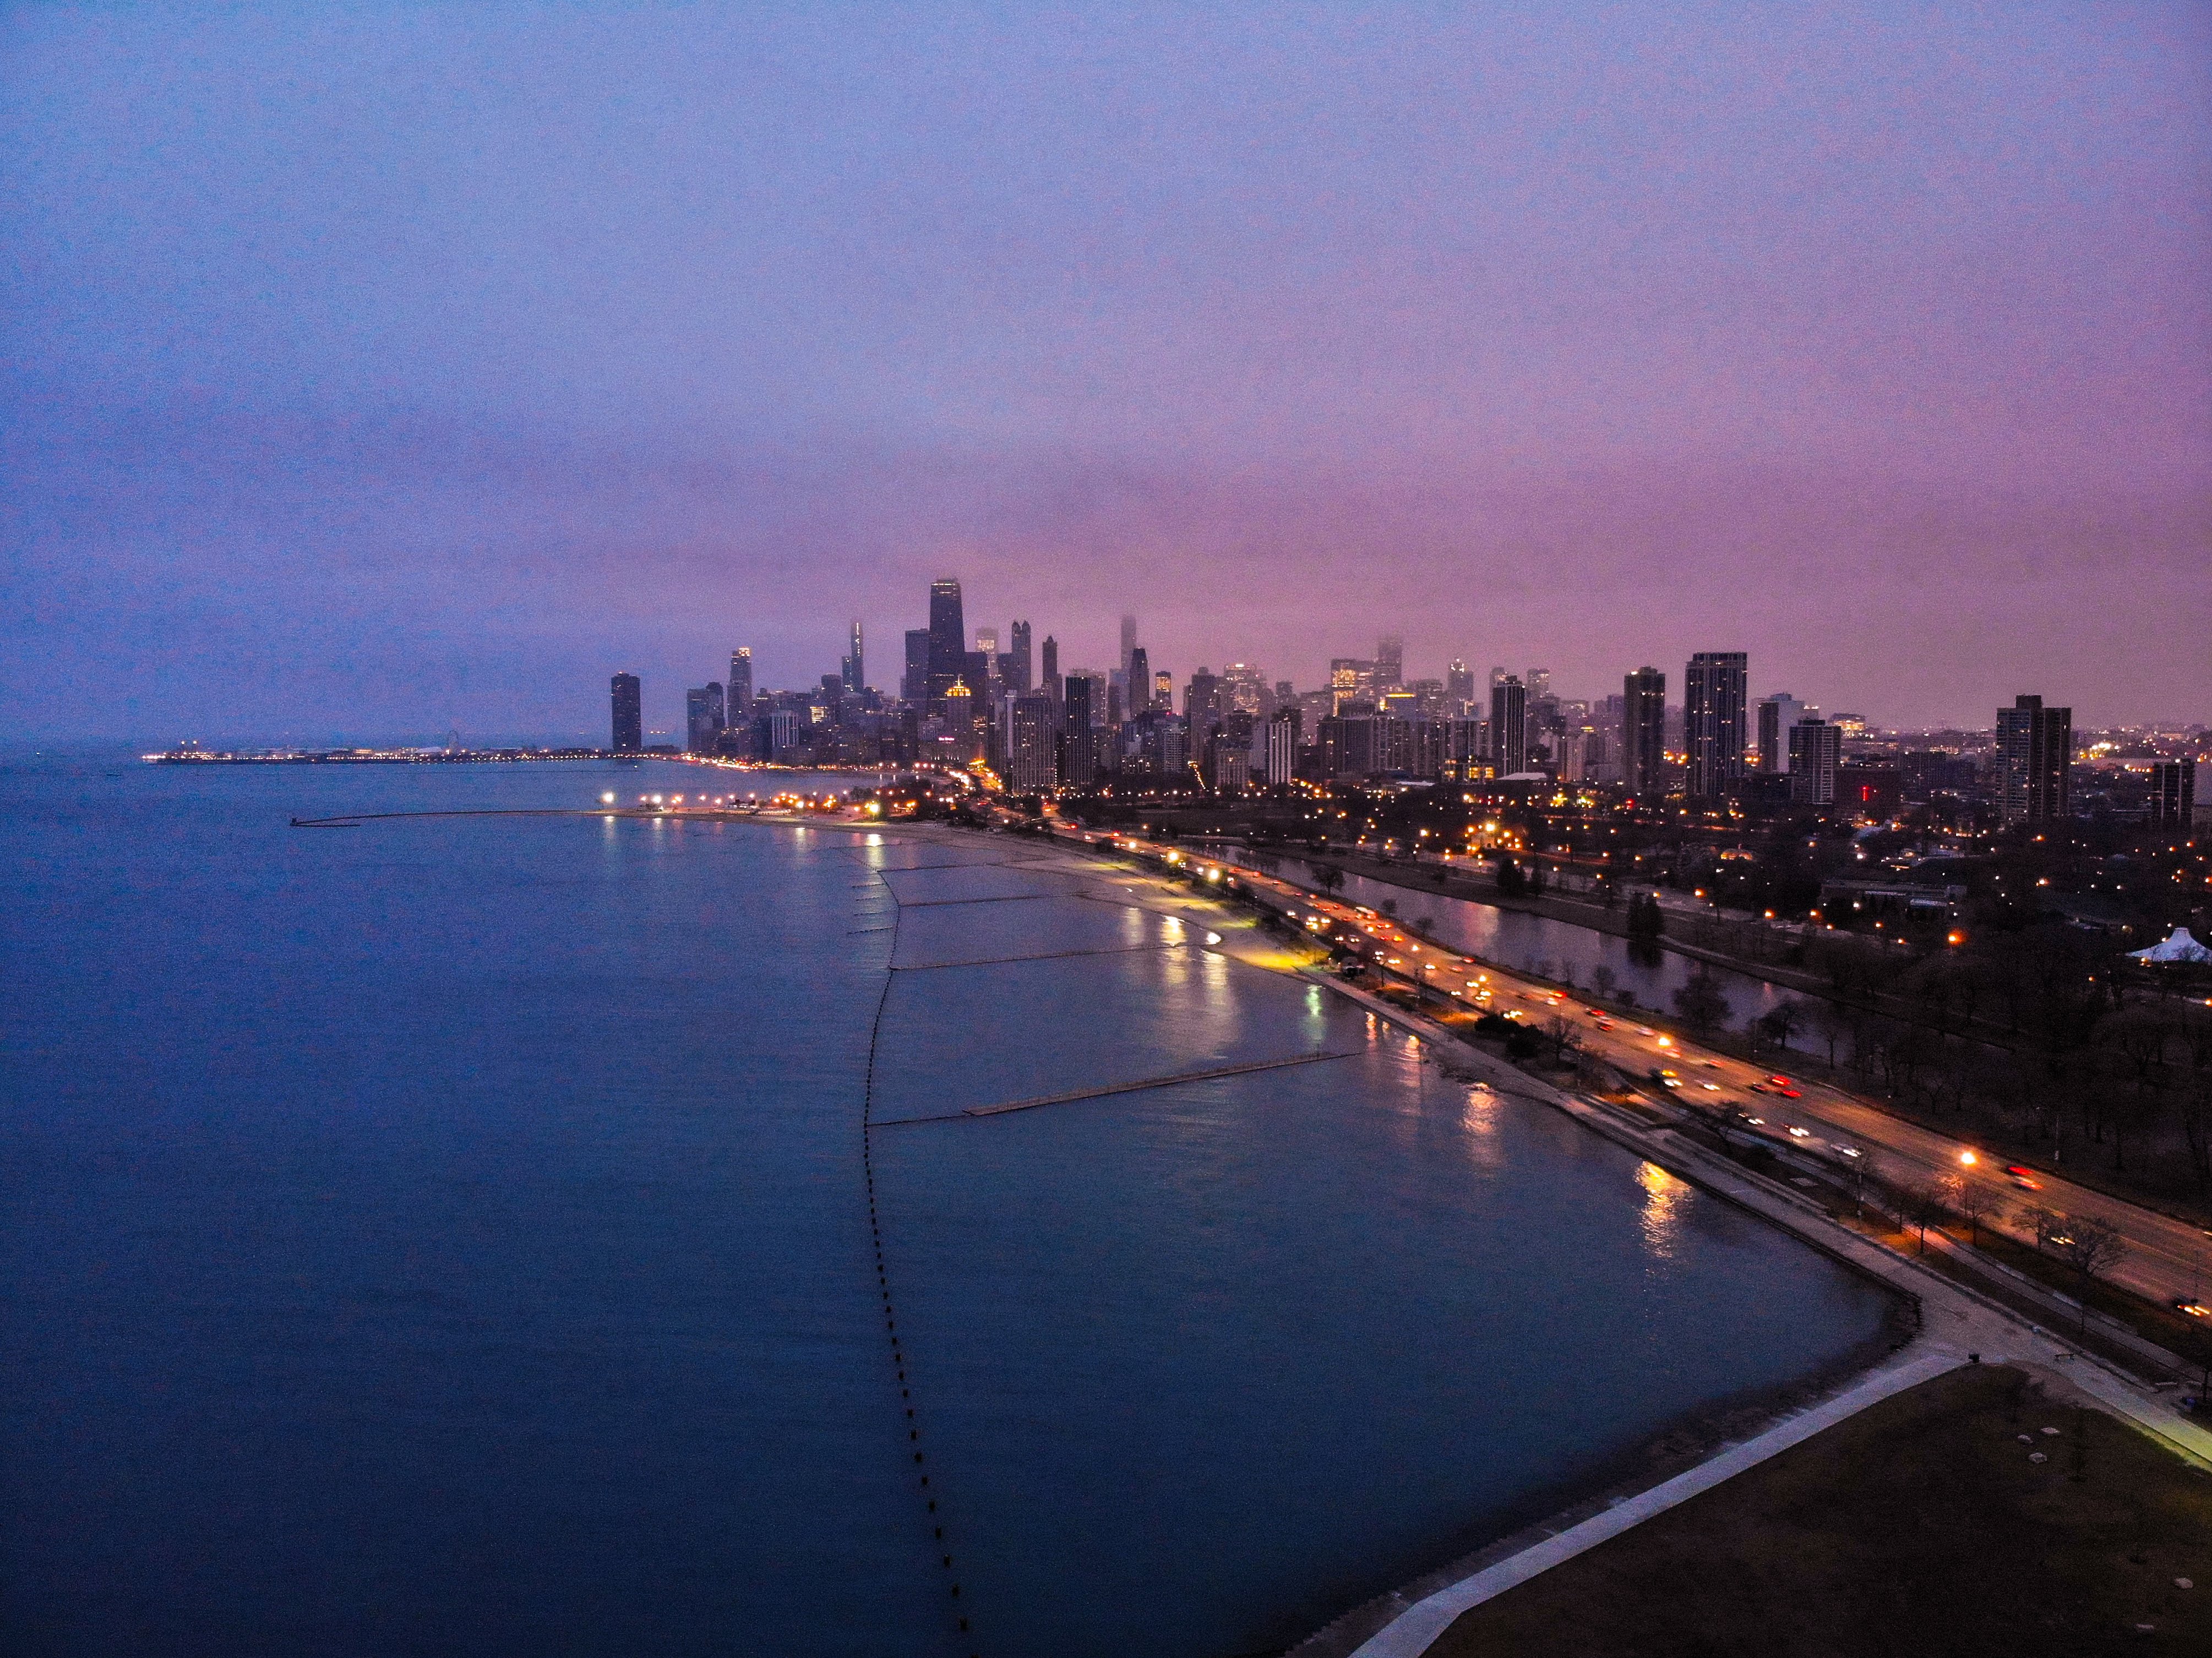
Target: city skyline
<point>1590,340</point>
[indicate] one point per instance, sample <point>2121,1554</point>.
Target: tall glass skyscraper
<point>948,638</point>
<point>628,712</point>
<point>1643,733</point>
<point>1713,724</point>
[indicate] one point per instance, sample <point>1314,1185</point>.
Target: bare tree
<point>1920,1207</point>
<point>2091,1248</point>
<point>1972,1203</point>
<point>1603,979</point>
<point>2044,1223</point>
<point>1564,1036</point>
<point>1701,1005</point>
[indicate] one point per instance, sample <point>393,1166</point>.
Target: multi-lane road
<point>2167,1260</point>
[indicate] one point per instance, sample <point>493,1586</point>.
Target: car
<point>1761,1088</point>
<point>2028,1182</point>
<point>1595,1013</point>
<point>1756,1122</point>
<point>1646,1030</point>
<point>1849,1151</point>
<point>1779,1082</point>
<point>2194,1308</point>
<point>1711,1088</point>
<point>1605,1025</point>
<point>1789,1093</point>
<point>1796,1133</point>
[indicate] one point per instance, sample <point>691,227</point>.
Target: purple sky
<point>381,370</point>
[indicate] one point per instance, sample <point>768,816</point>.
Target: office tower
<point>913,683</point>
<point>703,718</point>
<point>629,718</point>
<point>1713,722</point>
<point>948,640</point>
<point>1021,663</point>
<point>1243,686</point>
<point>1777,714</point>
<point>852,672</point>
<point>738,704</point>
<point>1139,696</point>
<point>1078,728</point>
<point>1498,675</point>
<point>1643,733</point>
<point>1816,750</point>
<point>1282,733</point>
<point>1032,767</point>
<point>1509,726</point>
<point>1163,689</point>
<point>1285,692</point>
<point>1129,646</point>
<point>1538,684</point>
<point>987,640</point>
<point>2173,794</point>
<point>1458,687</point>
<point>1390,662</point>
<point>786,735</point>
<point>2035,750</point>
<point>1202,704</point>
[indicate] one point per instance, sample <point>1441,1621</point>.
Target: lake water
<point>454,1236</point>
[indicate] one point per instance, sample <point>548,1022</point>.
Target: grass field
<point>1920,1528</point>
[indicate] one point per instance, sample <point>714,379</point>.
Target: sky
<point>378,370</point>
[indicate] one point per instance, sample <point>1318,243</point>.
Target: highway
<point>2168,1261</point>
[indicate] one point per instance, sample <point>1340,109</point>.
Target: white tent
<point>2180,947</point>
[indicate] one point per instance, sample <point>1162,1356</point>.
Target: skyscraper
<point>2173,794</point>
<point>2035,754</point>
<point>629,718</point>
<point>738,703</point>
<point>914,684</point>
<point>1643,733</point>
<point>1016,671</point>
<point>1459,687</point>
<point>1140,679</point>
<point>1713,722</point>
<point>1777,714</point>
<point>1539,684</point>
<point>1202,707</point>
<point>1509,726</point>
<point>1031,764</point>
<point>703,718</point>
<point>948,638</point>
<point>1816,750</point>
<point>1389,663</point>
<point>854,669</point>
<point>1048,666</point>
<point>1079,723</point>
<point>1129,646</point>
<point>1283,745</point>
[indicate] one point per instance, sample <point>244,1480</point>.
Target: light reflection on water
<point>565,1333</point>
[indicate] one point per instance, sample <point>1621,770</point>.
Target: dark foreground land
<point>1918,1527</point>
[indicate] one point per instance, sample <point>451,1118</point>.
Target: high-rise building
<point>1539,685</point>
<point>1140,680</point>
<point>1643,733</point>
<point>703,718</point>
<point>1049,668</point>
<point>854,669</point>
<point>1283,745</point>
<point>1816,752</point>
<point>1390,662</point>
<point>1162,688</point>
<point>629,718</point>
<point>1202,707</point>
<point>1243,686</point>
<point>2173,794</point>
<point>1020,662</point>
<point>1777,714</point>
<point>1713,709</point>
<point>1459,687</point>
<point>1079,727</point>
<point>913,683</point>
<point>1498,675</point>
<point>1032,762</point>
<point>1509,726</point>
<point>1128,649</point>
<point>2035,756</point>
<point>948,638</point>
<point>738,704</point>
